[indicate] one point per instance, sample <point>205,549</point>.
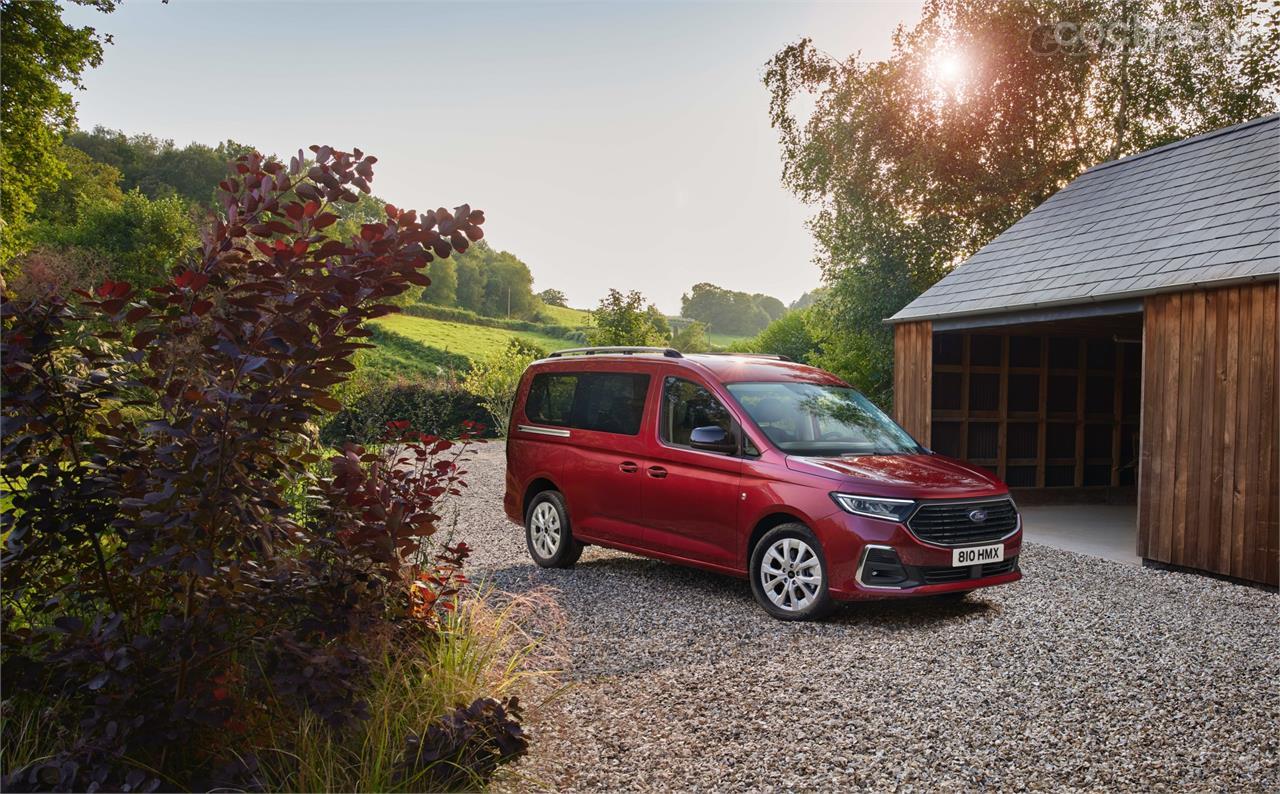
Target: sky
<point>619,144</point>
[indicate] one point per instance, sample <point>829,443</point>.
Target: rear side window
<point>550,400</point>
<point>607,402</point>
<point>686,405</point>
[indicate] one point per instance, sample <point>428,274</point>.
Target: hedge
<point>431,407</point>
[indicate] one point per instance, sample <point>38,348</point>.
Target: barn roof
<point>1198,212</point>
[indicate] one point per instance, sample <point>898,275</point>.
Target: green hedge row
<point>435,408</point>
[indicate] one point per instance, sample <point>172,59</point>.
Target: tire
<point>547,533</point>
<point>788,596</point>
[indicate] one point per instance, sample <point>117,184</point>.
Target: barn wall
<point>912,378</point>
<point>1209,481</point>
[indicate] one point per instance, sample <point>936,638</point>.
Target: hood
<point>907,476</point>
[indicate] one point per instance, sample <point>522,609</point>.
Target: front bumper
<point>848,540</point>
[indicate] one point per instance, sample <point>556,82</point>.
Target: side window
<point>686,405</point>
<point>550,400</point>
<point>610,402</point>
<point>607,402</point>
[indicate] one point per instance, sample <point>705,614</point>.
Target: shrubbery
<point>170,615</point>
<point>439,407</point>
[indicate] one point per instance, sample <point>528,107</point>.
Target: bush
<point>790,336</point>
<point>437,407</point>
<point>165,607</point>
<point>495,380</point>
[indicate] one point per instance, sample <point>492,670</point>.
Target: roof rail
<point>769,356</point>
<point>623,350</point>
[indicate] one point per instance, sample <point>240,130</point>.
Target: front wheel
<point>789,574</point>
<point>548,534</point>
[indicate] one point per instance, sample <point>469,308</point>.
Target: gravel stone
<point>1087,674</point>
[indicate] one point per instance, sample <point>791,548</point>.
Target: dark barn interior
<point>1052,408</point>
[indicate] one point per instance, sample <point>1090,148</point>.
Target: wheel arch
<point>776,517</point>
<point>535,487</point>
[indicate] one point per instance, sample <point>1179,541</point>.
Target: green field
<point>473,341</point>
<point>730,342</point>
<point>563,315</point>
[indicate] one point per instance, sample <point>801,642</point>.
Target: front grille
<point>949,524</point>
<point>947,575</point>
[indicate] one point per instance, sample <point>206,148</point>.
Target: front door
<point>691,496</point>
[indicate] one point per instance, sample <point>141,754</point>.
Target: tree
<point>692,338</point>
<point>727,311</point>
<point>159,168</point>
<point>771,306</point>
<point>138,240</point>
<point>495,379</point>
<point>623,320</point>
<point>913,167</point>
<point>788,336</point>
<point>85,182</point>
<point>470,289</point>
<point>553,297</point>
<point>443,289</point>
<point>41,57</point>
<point>659,321</point>
<point>808,299</point>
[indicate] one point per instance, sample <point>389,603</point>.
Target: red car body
<point>706,509</point>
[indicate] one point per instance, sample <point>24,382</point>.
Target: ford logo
<point>977,516</point>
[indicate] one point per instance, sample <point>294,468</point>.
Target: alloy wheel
<point>791,574</point>
<point>544,529</point>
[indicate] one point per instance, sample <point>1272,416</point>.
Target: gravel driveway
<point>1086,675</point>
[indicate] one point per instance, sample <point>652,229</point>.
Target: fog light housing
<point>881,567</point>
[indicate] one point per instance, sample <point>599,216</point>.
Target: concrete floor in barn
<point>1107,531</point>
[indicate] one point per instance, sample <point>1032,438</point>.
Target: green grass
<point>563,315</point>
<point>472,341</point>
<point>731,342</point>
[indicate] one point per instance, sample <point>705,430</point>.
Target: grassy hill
<point>563,315</point>
<point>471,341</point>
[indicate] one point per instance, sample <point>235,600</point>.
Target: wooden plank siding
<point>1209,481</point>
<point>913,378</point>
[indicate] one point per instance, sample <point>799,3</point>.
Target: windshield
<point>809,419</point>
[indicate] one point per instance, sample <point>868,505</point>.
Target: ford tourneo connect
<point>752,466</point>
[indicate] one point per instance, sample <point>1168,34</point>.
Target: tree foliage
<point>913,169</point>
<point>788,336</point>
<point>158,167</point>
<point>624,319</point>
<point>553,297</point>
<point>730,312</point>
<point>139,240</point>
<point>41,58</point>
<point>692,338</point>
<point>158,585</point>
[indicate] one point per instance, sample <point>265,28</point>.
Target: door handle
<point>627,467</point>
<point>657,472</point>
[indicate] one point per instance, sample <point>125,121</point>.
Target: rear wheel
<point>547,532</point>
<point>789,574</point>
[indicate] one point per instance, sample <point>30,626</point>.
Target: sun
<point>948,68</point>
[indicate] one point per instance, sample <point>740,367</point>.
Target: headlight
<point>875,506</point>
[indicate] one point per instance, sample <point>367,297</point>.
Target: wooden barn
<point>1117,345</point>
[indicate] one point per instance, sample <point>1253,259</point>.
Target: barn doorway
<point>1054,409</point>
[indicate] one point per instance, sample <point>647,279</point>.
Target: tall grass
<point>489,647</point>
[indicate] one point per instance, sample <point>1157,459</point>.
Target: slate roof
<point>1201,211</point>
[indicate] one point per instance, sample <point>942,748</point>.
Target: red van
<point>752,466</point>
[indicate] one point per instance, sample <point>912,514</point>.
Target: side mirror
<point>713,439</point>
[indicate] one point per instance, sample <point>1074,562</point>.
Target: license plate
<point>977,555</point>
